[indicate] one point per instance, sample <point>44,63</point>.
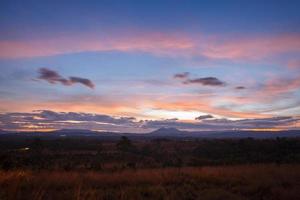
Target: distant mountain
<point>173,132</point>
<point>81,132</point>
<point>3,132</point>
<point>61,133</point>
<point>167,132</point>
<point>159,133</point>
<point>73,132</point>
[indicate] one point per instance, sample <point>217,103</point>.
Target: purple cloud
<point>53,77</point>
<point>240,88</point>
<point>207,81</point>
<point>201,117</point>
<point>183,75</point>
<point>47,119</point>
<point>83,81</point>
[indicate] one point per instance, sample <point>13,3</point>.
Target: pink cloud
<point>152,43</point>
<point>278,86</point>
<point>158,44</point>
<point>294,64</point>
<point>252,48</point>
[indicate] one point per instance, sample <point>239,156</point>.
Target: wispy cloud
<point>166,44</point>
<point>54,77</point>
<point>252,48</point>
<point>154,43</point>
<point>276,87</point>
<point>294,64</point>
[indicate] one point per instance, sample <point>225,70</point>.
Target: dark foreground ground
<point>81,168</point>
<point>222,182</point>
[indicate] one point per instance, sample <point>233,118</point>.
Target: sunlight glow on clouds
<point>137,67</point>
<point>48,120</point>
<point>169,114</point>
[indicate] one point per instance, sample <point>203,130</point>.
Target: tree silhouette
<point>125,145</point>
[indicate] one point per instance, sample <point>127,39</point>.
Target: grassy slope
<point>229,182</point>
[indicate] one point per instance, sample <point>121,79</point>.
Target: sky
<point>138,65</point>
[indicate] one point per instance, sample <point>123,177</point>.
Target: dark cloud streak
<point>206,81</point>
<point>83,81</point>
<point>240,88</point>
<point>201,117</point>
<point>183,75</point>
<point>54,77</point>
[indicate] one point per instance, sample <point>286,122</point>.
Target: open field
<point>223,182</point>
<point>78,168</point>
<point>99,155</point>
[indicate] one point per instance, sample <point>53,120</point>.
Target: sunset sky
<point>135,66</point>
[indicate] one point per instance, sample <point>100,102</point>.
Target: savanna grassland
<point>222,182</point>
<point>78,168</point>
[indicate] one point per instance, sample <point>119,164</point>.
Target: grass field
<point>258,181</point>
<point>85,169</point>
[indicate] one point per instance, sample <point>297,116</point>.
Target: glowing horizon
<point>139,65</point>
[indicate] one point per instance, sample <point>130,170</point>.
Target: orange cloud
<point>206,107</point>
<point>130,106</point>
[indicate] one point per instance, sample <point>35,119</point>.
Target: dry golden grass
<point>230,182</point>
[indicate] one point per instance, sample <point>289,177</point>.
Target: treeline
<point>82,154</point>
